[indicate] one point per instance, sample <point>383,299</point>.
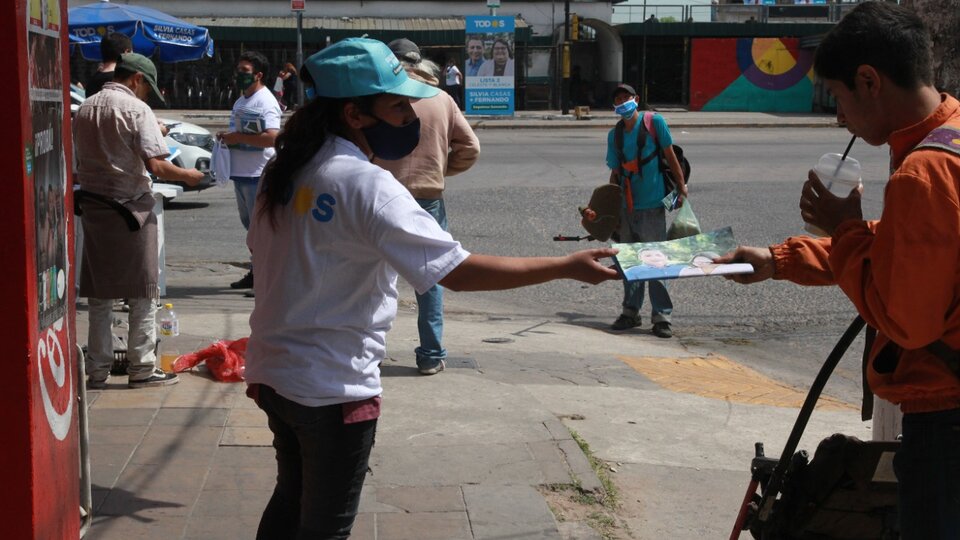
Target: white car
<point>189,144</point>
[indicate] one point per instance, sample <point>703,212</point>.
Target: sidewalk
<point>480,451</point>
<point>599,119</point>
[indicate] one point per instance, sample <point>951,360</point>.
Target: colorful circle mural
<point>769,64</point>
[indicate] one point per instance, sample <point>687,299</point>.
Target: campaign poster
<point>489,68</point>
<point>46,167</point>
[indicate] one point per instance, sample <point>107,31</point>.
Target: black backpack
<point>669,183</point>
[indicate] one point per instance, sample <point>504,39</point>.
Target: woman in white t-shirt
<point>331,234</point>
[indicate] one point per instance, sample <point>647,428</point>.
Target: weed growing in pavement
<point>570,502</point>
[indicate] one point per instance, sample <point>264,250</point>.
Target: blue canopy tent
<point>148,28</point>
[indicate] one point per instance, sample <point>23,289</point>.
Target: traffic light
<point>574,27</point>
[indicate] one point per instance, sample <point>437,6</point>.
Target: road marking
<point>718,377</point>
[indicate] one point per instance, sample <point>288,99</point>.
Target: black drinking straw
<point>849,146</point>
<point>844,156</point>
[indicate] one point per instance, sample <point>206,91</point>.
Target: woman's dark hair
<point>888,37</point>
<point>301,138</point>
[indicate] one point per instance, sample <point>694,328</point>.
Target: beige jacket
<point>447,146</point>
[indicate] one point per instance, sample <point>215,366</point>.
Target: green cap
<point>362,67</point>
<point>141,64</point>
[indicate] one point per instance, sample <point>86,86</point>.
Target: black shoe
<point>625,322</point>
<point>246,282</point>
<point>157,378</point>
<point>662,330</point>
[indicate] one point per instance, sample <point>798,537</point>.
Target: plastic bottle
<point>840,176</point>
<point>169,324</point>
<point>170,327</point>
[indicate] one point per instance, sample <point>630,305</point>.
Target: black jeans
<point>321,463</point>
<point>928,476</point>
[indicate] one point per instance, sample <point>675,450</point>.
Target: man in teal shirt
<point>644,217</point>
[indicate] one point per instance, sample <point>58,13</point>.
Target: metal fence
<point>779,13</point>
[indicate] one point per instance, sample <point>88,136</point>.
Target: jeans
<point>430,304</point>
<point>321,463</point>
<point>245,188</point>
<point>646,226</point>
<point>141,340</point>
<point>928,476</point>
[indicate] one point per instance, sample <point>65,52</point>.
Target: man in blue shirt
<point>474,56</point>
<point>644,217</point>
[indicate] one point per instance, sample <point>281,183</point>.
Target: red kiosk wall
<point>38,390</point>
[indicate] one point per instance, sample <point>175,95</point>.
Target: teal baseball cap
<point>362,67</point>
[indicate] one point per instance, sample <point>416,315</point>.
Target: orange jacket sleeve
<point>902,275</point>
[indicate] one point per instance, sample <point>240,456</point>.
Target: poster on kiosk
<point>489,65</point>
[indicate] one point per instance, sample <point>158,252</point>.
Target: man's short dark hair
<point>258,61</point>
<point>113,45</point>
<point>888,37</point>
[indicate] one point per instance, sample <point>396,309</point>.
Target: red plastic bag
<point>224,359</point>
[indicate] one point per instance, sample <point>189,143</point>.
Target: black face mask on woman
<point>392,142</point>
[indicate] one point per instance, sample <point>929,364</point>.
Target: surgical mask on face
<point>626,109</point>
<point>244,80</point>
<point>392,142</point>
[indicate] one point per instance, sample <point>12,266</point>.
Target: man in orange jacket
<point>902,272</point>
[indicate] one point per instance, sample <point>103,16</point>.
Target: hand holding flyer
<point>692,256</point>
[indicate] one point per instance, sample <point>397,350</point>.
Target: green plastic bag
<point>685,223</point>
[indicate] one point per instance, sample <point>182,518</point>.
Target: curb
<point>673,125</point>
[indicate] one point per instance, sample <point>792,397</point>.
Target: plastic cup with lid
<point>840,176</point>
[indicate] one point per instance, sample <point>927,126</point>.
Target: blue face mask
<point>626,109</point>
<point>392,142</point>
<point>309,93</point>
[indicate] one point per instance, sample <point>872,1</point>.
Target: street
<point>526,189</point>
<point>672,423</point>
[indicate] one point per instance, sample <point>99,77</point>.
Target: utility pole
<point>565,85</point>
<point>299,57</point>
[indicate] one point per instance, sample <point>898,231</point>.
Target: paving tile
<point>120,417</point>
<point>551,462</point>
<point>423,526</point>
<point>147,507</point>
<point>453,465</point>
<point>184,436</point>
<point>173,453</point>
<point>370,505</point>
<point>238,527</point>
<point>98,496</point>
<point>135,528</point>
<point>163,478</point>
<point>142,398</point>
<point>232,502</point>
<point>247,436</point>
<point>364,527</point>
<point>201,399</point>
<point>421,498</point>
<point>107,462</point>
<point>116,435</point>
<point>240,478</point>
<point>189,416</point>
<point>247,418</point>
<point>245,403</point>
<point>246,456</point>
<point>509,512</point>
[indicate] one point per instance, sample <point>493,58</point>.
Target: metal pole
<point>564,90</point>
<point>643,71</point>
<point>300,56</point>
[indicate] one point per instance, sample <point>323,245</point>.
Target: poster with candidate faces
<point>490,66</point>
